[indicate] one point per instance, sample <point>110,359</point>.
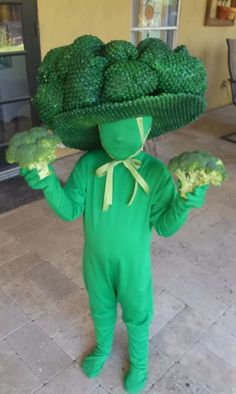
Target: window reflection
<point>14,117</point>
<point>13,77</point>
<point>11,37</point>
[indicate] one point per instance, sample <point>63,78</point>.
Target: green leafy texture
<point>84,83</point>
<point>48,70</point>
<point>152,49</point>
<point>178,71</point>
<point>120,50</point>
<point>33,149</point>
<point>48,100</point>
<point>197,168</point>
<point>88,73</point>
<point>128,80</point>
<point>88,45</point>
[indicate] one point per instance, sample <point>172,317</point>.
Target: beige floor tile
<point>70,381</point>
<point>70,264</point>
<point>30,225</point>
<point>228,199</point>
<point>209,369</point>
<point>227,321</point>
<point>180,333</point>
<point>198,294</point>
<point>220,284</point>
<point>60,316</point>
<point>49,279</point>
<point>11,250</point>
<point>182,246</point>
<point>223,344</point>
<point>119,390</point>
<point>5,299</point>
<point>28,295</point>
<point>158,364</point>
<point>216,224</point>
<point>12,318</point>
<point>177,380</point>
<point>74,226</point>
<point>166,307</point>
<point>99,390</point>
<point>222,255</point>
<point>5,237</point>
<point>15,376</point>
<point>206,391</point>
<point>78,339</point>
<point>166,267</point>
<point>18,266</point>
<point>19,215</point>
<point>38,351</point>
<point>52,241</point>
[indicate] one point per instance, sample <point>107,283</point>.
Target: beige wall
<point>208,43</point>
<point>61,21</point>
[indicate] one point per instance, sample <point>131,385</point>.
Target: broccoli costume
<point>116,96</point>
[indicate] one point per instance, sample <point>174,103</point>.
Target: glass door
<point>19,60</point>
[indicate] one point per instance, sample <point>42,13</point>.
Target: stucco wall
<point>62,21</point>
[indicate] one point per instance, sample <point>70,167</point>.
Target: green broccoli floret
<point>34,148</point>
<point>197,168</point>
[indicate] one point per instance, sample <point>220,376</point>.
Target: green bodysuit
<point>117,236</point>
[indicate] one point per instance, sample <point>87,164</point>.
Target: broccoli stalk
<point>197,168</point>
<point>33,149</point>
<point>41,167</point>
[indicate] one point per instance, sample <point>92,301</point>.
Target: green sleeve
<point>68,202</point>
<point>167,213</point>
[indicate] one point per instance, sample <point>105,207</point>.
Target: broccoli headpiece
<point>33,149</point>
<point>196,169</point>
<point>89,82</point>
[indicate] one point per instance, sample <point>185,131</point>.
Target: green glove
<point>171,211</point>
<point>67,202</point>
<point>33,180</point>
<point>196,199</point>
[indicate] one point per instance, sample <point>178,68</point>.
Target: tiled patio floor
<point>45,328</point>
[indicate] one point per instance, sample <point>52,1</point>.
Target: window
<point>19,60</point>
<point>155,18</point>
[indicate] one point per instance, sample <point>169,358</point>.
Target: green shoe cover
<point>93,363</point>
<point>135,380</point>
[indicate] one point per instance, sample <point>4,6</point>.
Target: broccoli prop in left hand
<point>197,168</point>
<point>33,149</point>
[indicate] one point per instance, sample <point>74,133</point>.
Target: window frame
<point>135,29</point>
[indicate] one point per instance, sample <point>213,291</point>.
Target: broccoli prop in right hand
<point>197,168</point>
<point>33,149</point>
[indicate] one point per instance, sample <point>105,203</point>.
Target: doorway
<point>19,61</point>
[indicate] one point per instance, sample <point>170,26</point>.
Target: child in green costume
<point>122,192</point>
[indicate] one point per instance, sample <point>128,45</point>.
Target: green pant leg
<point>136,376</point>
<point>98,276</point>
<point>134,287</point>
<point>135,294</point>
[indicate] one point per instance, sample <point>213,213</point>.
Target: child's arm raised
<point>67,202</point>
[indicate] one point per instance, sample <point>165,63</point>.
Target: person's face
<point>122,138</point>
